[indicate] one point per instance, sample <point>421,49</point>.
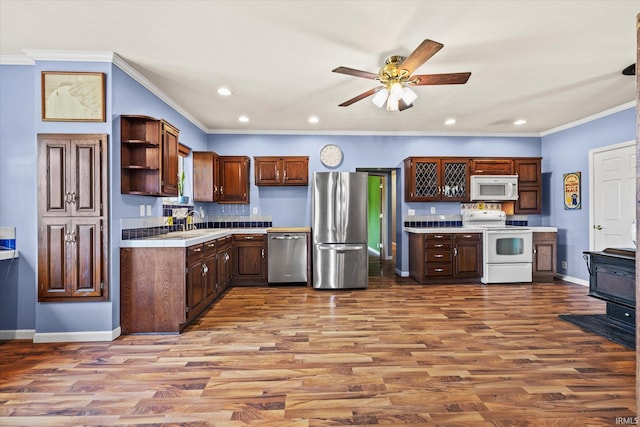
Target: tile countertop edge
<point>422,230</point>
<point>183,243</point>
<point>9,254</point>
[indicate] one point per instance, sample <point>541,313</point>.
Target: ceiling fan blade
<point>420,55</point>
<point>361,96</point>
<point>440,79</point>
<point>356,73</point>
<point>403,105</point>
<point>630,70</point>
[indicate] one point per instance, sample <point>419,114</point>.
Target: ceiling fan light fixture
<point>224,91</point>
<point>408,95</point>
<point>380,97</point>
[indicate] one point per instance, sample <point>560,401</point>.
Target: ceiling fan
<point>396,76</point>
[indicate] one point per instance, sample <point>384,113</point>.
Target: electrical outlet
<point>142,210</point>
<point>433,209</point>
<point>148,210</point>
<point>255,211</point>
<point>564,265</point>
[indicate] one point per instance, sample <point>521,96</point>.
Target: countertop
<point>422,230</point>
<point>185,239</point>
<point>8,254</point>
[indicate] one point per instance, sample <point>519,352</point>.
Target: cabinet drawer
<point>438,256</point>
<point>195,250</point>
<point>209,247</point>
<point>621,314</point>
<point>432,237</point>
<point>475,237</point>
<point>437,269</point>
<point>439,245</point>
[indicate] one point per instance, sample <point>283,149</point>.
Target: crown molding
<point>66,55</point>
<point>605,113</point>
<point>16,60</point>
<point>119,62</point>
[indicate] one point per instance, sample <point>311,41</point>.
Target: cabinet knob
<point>439,270</point>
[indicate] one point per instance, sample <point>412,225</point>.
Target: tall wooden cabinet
<point>72,221</point>
<point>149,156</point>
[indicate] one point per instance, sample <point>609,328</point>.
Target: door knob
<point>597,227</point>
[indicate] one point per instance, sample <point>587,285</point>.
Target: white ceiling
<point>549,62</point>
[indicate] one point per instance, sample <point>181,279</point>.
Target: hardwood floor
<point>397,353</point>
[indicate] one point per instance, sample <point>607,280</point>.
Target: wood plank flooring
<point>397,353</point>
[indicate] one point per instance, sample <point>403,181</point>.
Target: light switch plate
<point>411,212</point>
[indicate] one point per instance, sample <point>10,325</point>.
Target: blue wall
<point>564,151</point>
<point>568,151</point>
<point>292,206</point>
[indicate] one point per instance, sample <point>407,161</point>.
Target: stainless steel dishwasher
<point>287,257</point>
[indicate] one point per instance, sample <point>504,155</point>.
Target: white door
<point>613,191</point>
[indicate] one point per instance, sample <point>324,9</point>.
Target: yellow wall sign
<point>572,198</point>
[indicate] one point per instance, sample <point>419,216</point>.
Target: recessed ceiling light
<point>243,119</point>
<point>450,122</point>
<point>224,91</point>
<point>520,122</point>
<point>314,119</point>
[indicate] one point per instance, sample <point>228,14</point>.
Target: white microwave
<point>494,188</point>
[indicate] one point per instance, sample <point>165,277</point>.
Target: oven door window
<point>508,246</point>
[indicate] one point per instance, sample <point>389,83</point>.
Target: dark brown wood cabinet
<point>164,289</point>
<point>225,262</point>
<point>234,179</point>
<point>445,257</point>
<point>529,171</point>
<point>289,170</point>
<point>206,185</point>
<point>429,179</point>
<point>149,156</point>
<point>250,265</point>
<point>544,256</point>
<point>72,225</point>
<point>497,166</point>
<point>195,281</point>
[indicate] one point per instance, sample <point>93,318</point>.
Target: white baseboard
<point>17,334</point>
<point>573,280</point>
<point>77,336</point>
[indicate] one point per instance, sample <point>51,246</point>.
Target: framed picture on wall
<point>73,96</point>
<point>572,197</point>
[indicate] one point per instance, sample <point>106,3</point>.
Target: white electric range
<point>507,250</point>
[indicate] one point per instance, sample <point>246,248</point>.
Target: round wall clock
<point>331,155</point>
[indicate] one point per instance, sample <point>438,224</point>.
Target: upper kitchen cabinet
<point>234,179</point>
<point>529,171</point>
<point>481,166</point>
<point>290,170</point>
<point>436,179</point>
<point>206,185</point>
<point>149,156</point>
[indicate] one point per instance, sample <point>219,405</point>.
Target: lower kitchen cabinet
<point>544,256</point>
<point>445,257</point>
<point>163,289</point>
<point>225,262</point>
<point>250,259</point>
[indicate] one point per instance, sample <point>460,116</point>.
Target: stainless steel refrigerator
<point>339,230</point>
